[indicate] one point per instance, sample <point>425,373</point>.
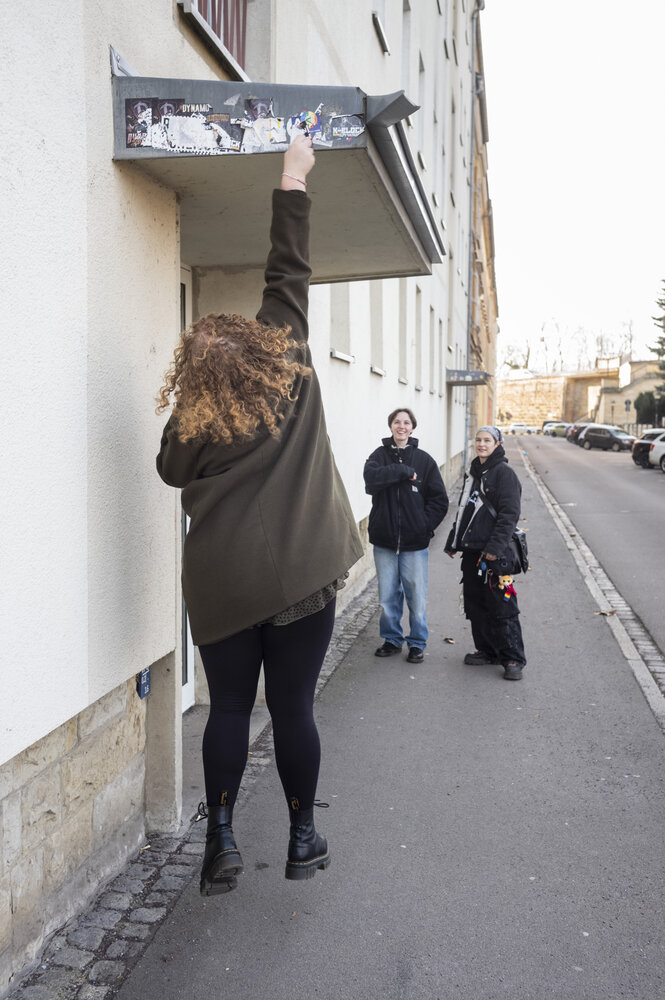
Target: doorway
<point>188,663</point>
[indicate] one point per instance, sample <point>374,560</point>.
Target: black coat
<point>405,511</point>
<point>475,528</point>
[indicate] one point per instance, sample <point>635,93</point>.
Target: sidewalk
<point>489,839</point>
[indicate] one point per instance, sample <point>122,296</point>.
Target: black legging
<point>292,656</point>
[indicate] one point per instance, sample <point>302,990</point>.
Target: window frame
<point>190,13</point>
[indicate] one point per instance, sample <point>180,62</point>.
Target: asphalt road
<point>490,840</point>
<point>619,509</point>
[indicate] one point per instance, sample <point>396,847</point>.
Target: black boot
<point>307,849</point>
<point>221,861</point>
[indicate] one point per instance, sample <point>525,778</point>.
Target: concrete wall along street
<point>91,554</point>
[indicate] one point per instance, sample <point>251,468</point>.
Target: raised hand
<point>298,161</point>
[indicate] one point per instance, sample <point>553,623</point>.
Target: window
<point>432,351</point>
<point>419,340</point>
<point>406,50</point>
<point>340,323</point>
<point>422,101</point>
<point>378,19</point>
<point>442,361</point>
<point>376,324</point>
<point>223,23</point>
<point>402,377</point>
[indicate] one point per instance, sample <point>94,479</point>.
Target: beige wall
<point>75,794</point>
<point>484,305</point>
<point>531,400</point>
<point>91,561</point>
<point>586,395</point>
<point>95,278</point>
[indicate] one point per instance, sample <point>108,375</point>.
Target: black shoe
<point>512,671</point>
<point>308,851</point>
<point>221,860</point>
<point>388,649</point>
<point>416,655</point>
<point>477,659</point>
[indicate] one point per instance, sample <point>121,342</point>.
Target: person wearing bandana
<point>488,512</point>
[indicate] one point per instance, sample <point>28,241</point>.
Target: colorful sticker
<point>308,122</point>
<point>346,126</point>
<point>247,127</point>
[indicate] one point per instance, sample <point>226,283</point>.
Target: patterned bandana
<point>494,431</point>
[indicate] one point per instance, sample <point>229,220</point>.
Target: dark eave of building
<point>218,144</point>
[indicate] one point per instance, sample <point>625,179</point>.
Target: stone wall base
<point>72,810</point>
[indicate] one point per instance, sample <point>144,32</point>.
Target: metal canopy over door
<point>214,142</point>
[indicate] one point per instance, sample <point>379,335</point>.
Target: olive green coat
<point>270,519</point>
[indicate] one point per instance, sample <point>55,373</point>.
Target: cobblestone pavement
<point>89,958</point>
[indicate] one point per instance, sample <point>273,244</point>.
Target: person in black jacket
<point>487,515</point>
<point>409,501</point>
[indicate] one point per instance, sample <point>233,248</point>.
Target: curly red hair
<point>230,377</point>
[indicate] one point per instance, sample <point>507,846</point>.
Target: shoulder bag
<point>517,547</point>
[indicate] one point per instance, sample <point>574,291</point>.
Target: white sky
<point>576,105</point>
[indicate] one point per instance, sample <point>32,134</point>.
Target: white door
<point>188,695</point>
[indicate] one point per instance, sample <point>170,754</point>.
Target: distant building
<point>603,395</point>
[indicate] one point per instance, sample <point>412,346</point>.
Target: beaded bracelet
<point>284,174</point>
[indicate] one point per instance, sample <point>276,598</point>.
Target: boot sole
<point>217,888</point>
<point>221,875</point>
<point>298,871</point>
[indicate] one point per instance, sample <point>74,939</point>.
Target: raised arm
<point>286,292</point>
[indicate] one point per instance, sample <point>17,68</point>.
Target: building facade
<point>107,261</point>
<point>484,306</point>
<point>604,395</point>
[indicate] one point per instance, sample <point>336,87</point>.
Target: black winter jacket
<point>405,511</point>
<point>475,528</point>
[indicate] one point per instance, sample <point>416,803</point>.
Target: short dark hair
<point>402,409</point>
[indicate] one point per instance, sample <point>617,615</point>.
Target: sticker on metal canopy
<point>246,126</point>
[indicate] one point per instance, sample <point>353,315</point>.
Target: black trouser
<point>495,623</point>
<point>292,656</point>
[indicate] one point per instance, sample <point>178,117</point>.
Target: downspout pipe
<point>480,5</point>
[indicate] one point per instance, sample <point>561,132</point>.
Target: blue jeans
<point>403,575</point>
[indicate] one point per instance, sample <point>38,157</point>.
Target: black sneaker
<point>477,659</point>
<point>388,649</point>
<point>416,655</point>
<point>512,671</point>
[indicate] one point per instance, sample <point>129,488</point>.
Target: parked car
<point>556,428</point>
<point>657,452</point>
<point>575,430</point>
<point>523,429</point>
<point>640,450</point>
<point>606,437</point>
